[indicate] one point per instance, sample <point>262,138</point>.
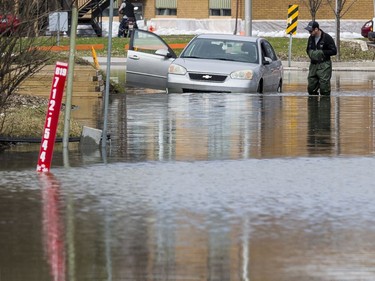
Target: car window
<point>147,42</point>
<point>268,51</point>
<point>204,48</point>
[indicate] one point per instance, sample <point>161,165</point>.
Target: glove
<point>316,55</point>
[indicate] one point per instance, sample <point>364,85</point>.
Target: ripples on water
<point>201,187</point>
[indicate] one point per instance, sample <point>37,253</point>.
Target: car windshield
<point>230,50</point>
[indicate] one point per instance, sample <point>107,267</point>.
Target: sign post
<point>291,27</point>
<point>52,117</point>
<point>58,22</point>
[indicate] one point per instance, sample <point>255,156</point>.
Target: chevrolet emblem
<point>206,76</point>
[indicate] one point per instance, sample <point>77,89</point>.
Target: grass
<point>29,122</point>
<point>349,50</point>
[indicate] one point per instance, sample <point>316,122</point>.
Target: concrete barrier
<point>90,137</point>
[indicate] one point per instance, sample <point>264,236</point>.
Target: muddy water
<point>201,187</point>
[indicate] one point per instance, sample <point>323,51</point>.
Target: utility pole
<point>248,15</point>
<point>69,87</point>
<point>236,25</point>
<point>108,78</point>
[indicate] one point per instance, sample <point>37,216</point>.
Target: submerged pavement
<point>337,65</point>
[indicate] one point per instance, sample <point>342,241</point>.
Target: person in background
<point>320,48</point>
<point>127,11</point>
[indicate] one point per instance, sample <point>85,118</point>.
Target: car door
<point>272,67</point>
<point>148,60</point>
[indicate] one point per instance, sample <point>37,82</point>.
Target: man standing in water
<point>320,48</point>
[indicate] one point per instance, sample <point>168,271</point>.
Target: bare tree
<point>19,55</point>
<point>313,6</point>
<point>340,8</point>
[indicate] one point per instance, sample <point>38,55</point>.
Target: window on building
<point>166,7</point>
<point>220,7</point>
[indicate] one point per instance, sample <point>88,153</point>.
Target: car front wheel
<point>280,87</point>
<point>260,87</point>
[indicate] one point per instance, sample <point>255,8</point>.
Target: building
<point>92,12</point>
<point>261,9</point>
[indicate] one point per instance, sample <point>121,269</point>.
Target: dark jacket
<point>128,10</point>
<point>325,43</point>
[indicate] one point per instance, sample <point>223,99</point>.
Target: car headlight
<point>176,69</point>
<point>242,74</point>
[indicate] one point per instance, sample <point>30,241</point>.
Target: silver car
<point>218,63</point>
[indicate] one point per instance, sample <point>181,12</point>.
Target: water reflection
<point>209,126</point>
<point>53,229</point>
<point>200,187</point>
<point>255,219</point>
<point>162,127</point>
<point>319,129</point>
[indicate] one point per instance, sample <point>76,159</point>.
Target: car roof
<point>228,37</point>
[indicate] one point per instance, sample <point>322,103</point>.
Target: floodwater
<point>243,187</point>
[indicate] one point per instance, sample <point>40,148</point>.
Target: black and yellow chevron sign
<point>292,19</point>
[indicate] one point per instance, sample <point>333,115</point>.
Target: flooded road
<point>201,187</point>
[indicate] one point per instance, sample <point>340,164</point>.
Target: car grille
<point>207,77</point>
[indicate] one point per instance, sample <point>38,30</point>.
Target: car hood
<point>214,66</point>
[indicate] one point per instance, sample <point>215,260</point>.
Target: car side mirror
<point>163,53</point>
<point>267,60</point>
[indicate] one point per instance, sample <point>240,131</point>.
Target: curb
<point>116,61</point>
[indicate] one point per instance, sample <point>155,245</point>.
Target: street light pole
<point>69,87</point>
<point>248,12</point>
<point>108,74</point>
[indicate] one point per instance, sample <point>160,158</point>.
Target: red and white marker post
<point>52,117</point>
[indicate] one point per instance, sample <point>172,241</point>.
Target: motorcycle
<point>127,26</point>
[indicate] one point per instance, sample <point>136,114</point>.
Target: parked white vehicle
<point>209,63</point>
